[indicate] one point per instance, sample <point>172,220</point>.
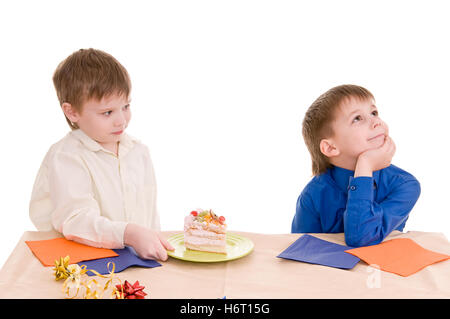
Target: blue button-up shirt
<point>366,209</point>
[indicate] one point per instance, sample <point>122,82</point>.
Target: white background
<point>219,92</point>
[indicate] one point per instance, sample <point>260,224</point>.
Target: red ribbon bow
<point>128,291</point>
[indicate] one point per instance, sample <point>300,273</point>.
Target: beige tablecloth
<point>258,275</point>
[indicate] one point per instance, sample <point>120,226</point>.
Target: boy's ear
<point>70,112</point>
<point>328,148</point>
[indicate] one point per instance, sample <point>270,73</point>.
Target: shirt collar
<point>126,142</point>
<point>342,176</point>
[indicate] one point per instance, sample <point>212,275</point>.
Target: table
<point>259,275</point>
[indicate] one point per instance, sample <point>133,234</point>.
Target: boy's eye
<point>357,119</point>
<point>375,113</point>
<point>107,113</point>
<point>126,107</point>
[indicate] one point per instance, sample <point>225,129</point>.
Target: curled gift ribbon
<point>74,281</point>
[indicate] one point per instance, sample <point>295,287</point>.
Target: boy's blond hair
<point>89,74</point>
<point>318,118</point>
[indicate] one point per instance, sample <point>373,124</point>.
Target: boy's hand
<point>147,243</point>
<point>375,159</point>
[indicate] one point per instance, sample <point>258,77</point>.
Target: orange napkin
<point>401,256</point>
<point>47,251</point>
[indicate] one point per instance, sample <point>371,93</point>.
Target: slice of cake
<point>205,231</point>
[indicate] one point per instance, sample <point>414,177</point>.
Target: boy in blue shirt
<point>355,188</point>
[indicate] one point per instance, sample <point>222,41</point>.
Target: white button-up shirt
<point>89,194</point>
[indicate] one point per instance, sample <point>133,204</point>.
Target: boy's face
<point>357,128</point>
<point>104,121</point>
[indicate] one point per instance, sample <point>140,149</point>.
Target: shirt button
<point>353,187</point>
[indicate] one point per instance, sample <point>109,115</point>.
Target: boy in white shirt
<point>97,186</point>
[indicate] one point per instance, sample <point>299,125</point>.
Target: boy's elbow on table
<point>360,240</point>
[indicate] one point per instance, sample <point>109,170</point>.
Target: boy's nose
<point>376,122</point>
<point>120,119</point>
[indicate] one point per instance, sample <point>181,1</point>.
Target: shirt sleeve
<point>76,212</point>
<point>306,219</point>
<point>151,193</point>
<point>367,222</point>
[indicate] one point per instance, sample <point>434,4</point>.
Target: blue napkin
<point>127,258</point>
<point>317,251</point>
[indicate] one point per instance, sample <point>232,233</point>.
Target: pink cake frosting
<point>205,231</point>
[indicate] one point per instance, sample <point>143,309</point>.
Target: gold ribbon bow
<point>74,280</point>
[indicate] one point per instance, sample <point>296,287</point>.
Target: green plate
<point>237,247</point>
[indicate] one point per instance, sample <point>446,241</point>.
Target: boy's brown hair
<point>318,118</point>
<point>87,74</point>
